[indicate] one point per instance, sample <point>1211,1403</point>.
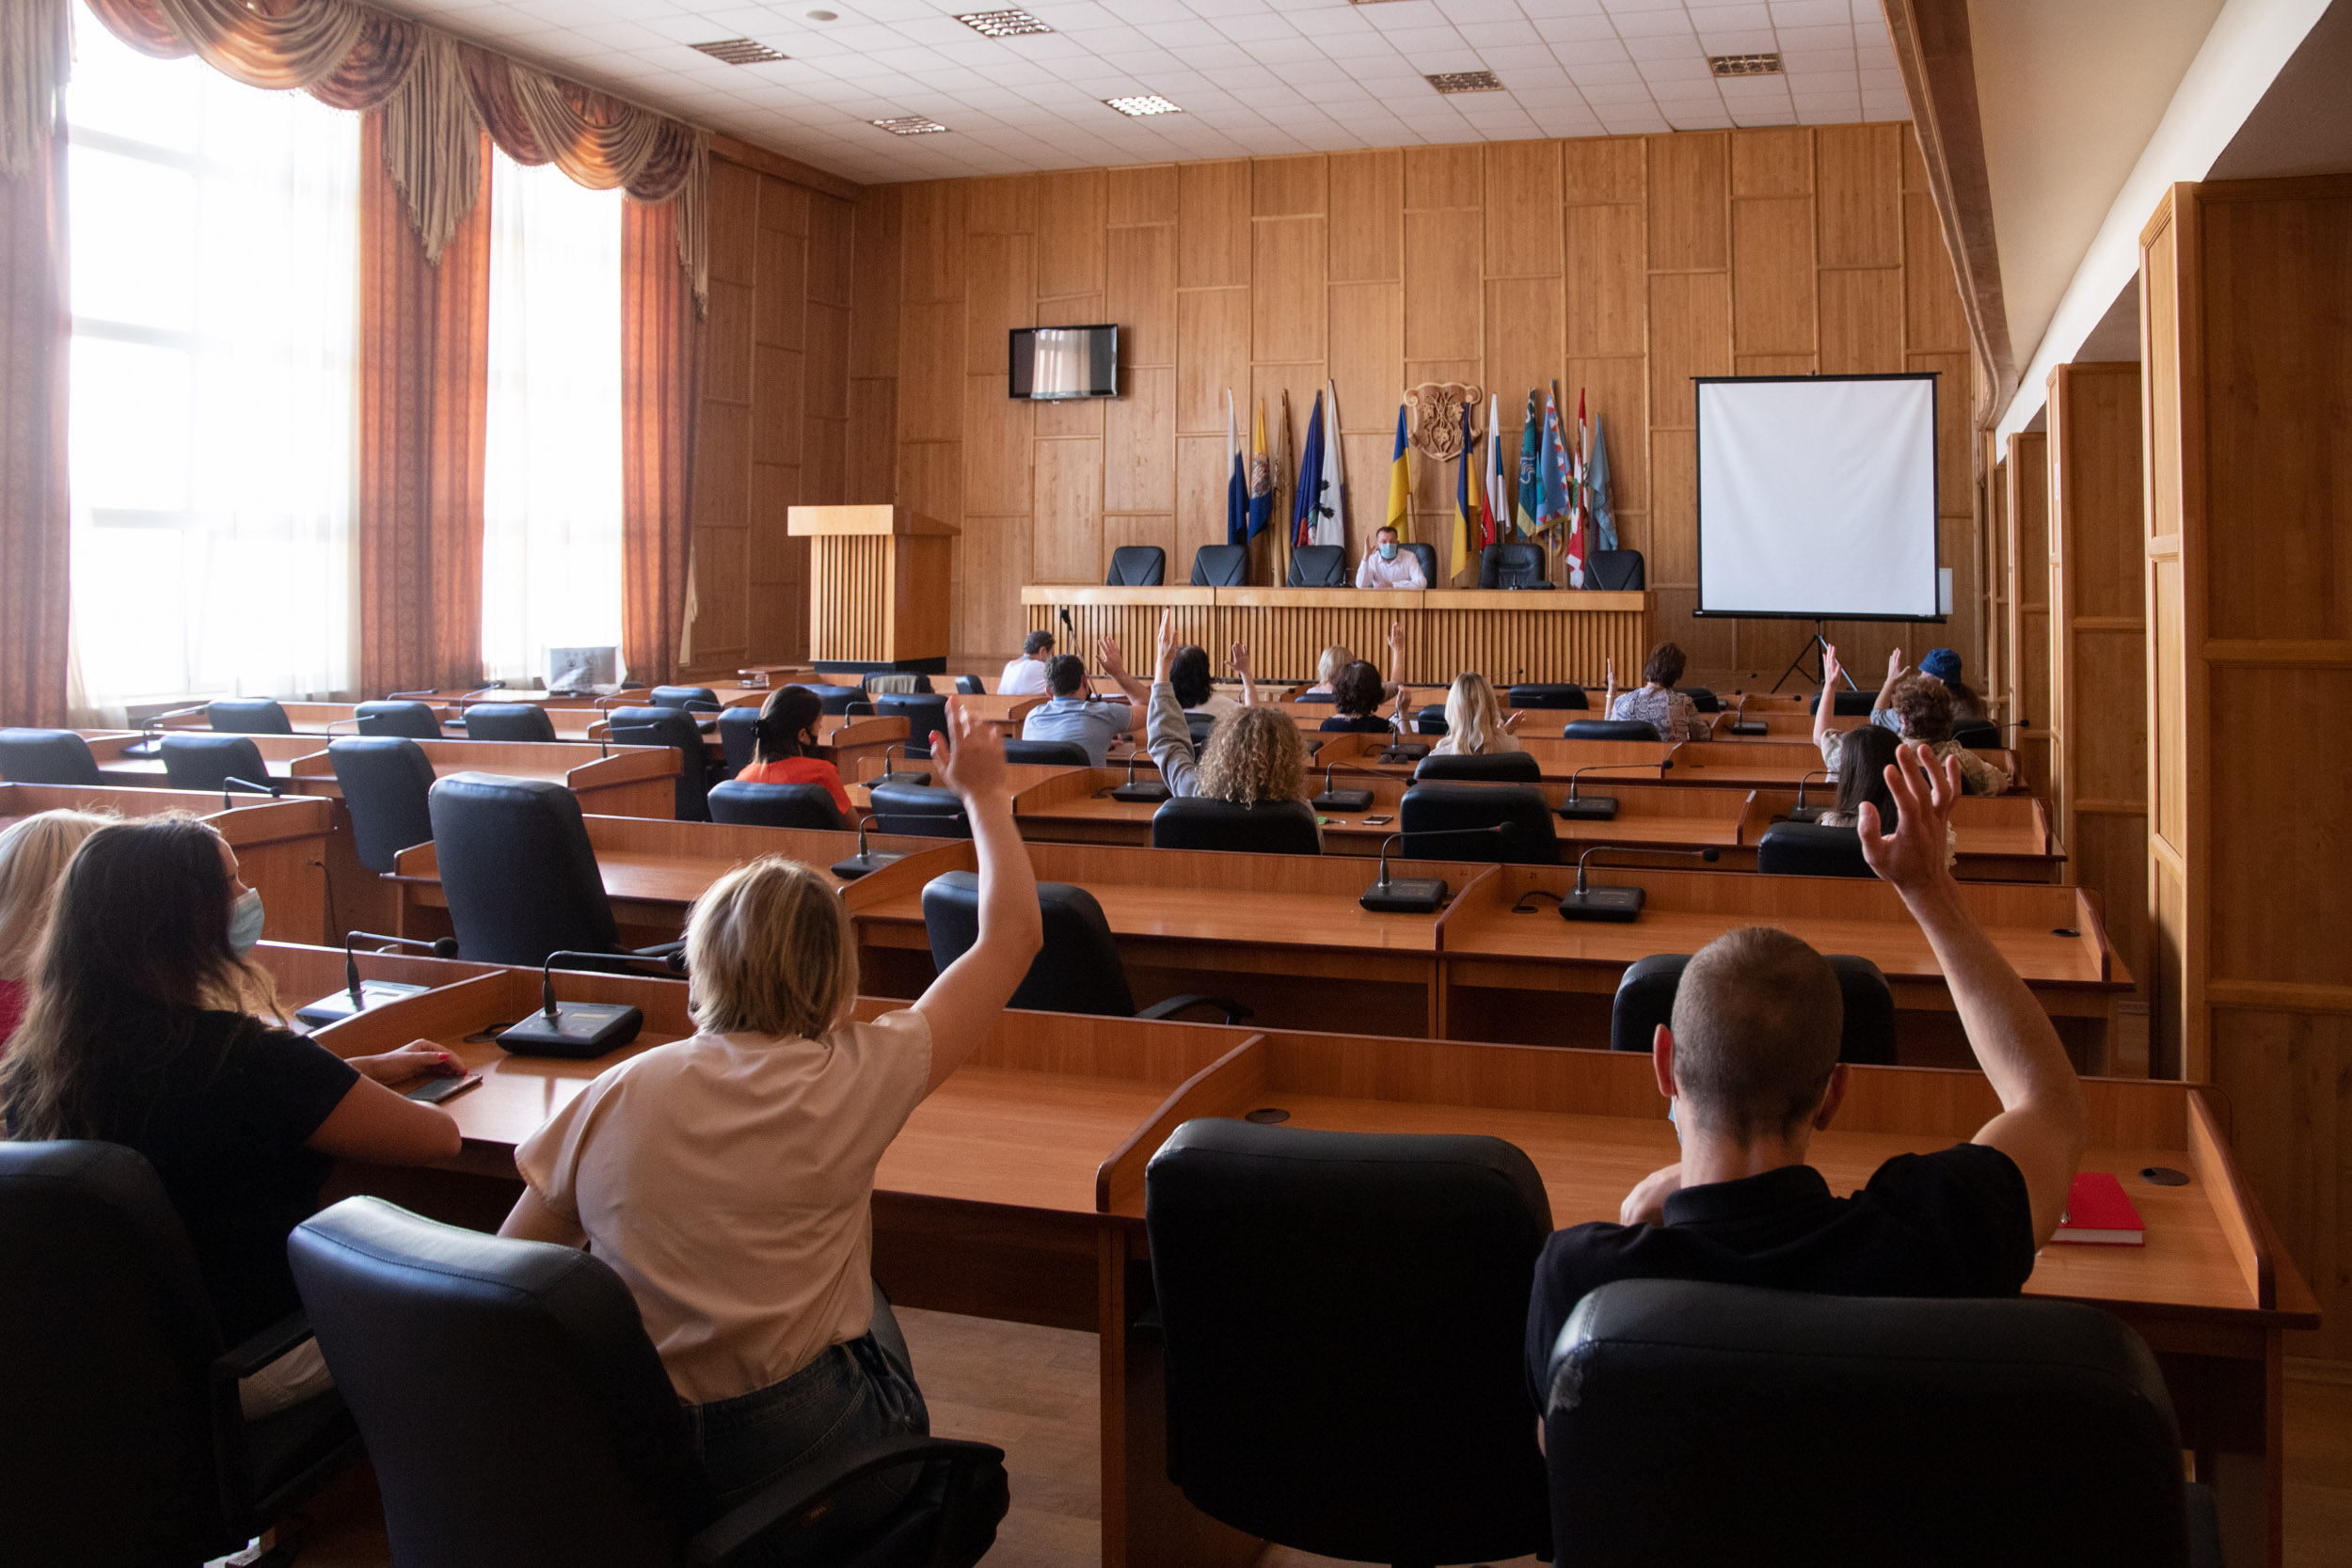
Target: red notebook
<point>2099,1214</point>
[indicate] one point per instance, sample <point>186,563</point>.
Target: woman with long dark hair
<point>141,1032</point>
<point>784,748</point>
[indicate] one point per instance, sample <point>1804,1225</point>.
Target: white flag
<point>1332,516</point>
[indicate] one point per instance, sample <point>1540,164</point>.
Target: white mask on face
<point>244,921</point>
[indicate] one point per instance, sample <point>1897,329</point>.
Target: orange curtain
<point>35,531</point>
<point>424,358</point>
<point>661,373</point>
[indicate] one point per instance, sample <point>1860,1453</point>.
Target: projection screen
<point>1817,497</point>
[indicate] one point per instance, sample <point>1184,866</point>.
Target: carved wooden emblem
<point>1433,416</point>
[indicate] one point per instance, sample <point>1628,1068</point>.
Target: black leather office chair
<point>836,699</point>
<point>47,758</point>
<point>923,810</point>
<point>247,715</point>
<point>1618,570</point>
<point>1137,566</point>
<point>466,1355</point>
<point>693,699</point>
<point>412,720</point>
<point>1199,725</point>
<point>2024,1431</point>
<point>1318,566</point>
<point>969,686</point>
<point>1220,566</point>
<point>1610,729</point>
<point>1275,828</point>
<point>1850,705</point>
<point>924,715</point>
<point>510,722</point>
<point>739,737</point>
<point>1077,971</point>
<point>1512,565</point>
<point>123,1444</point>
<point>674,727</point>
<point>774,805</point>
<point>1978,738</point>
<point>1552,696</point>
<point>193,760</point>
<point>1492,766</point>
<point>1316,697</point>
<point>519,871</point>
<point>1430,720</point>
<point>1810,850</point>
<point>1702,698</point>
<point>1046,753</point>
<point>1645,999</point>
<point>1456,822</point>
<point>1427,556</point>
<point>386,783</point>
<point>1344,1315</point>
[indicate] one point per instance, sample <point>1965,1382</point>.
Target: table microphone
<point>151,731</point>
<point>1620,904</point>
<point>1603,808</point>
<point>1741,724</point>
<point>1801,812</point>
<point>1344,799</point>
<point>865,860</point>
<point>578,1030</point>
<point>889,776</point>
<point>273,791</point>
<point>1147,793</point>
<point>1414,894</point>
<point>357,996</point>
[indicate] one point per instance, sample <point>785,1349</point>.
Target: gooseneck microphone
<point>151,729</point>
<point>891,775</point>
<point>1415,894</point>
<point>865,860</point>
<point>1802,812</point>
<point>1741,724</point>
<point>1603,808</point>
<point>273,791</point>
<point>1147,793</point>
<point>578,1030</point>
<point>357,996</point>
<point>1620,904</point>
<point>1344,799</point>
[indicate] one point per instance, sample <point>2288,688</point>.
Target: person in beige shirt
<point>728,1177</point>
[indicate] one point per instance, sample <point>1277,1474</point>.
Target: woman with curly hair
<point>1923,705</point>
<point>1255,757</point>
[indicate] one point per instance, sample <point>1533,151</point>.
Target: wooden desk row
<point>1285,934</point>
<point>1751,764</point>
<point>1015,1191</point>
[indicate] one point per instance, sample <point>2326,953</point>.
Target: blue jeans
<point>852,1394</point>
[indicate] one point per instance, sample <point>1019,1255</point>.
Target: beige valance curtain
<point>437,97</point>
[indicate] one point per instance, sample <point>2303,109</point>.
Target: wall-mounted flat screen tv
<point>1056,362</point>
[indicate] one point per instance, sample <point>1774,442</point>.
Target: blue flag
<point>1304,505</point>
<point>1236,483</point>
<point>1596,490</point>
<point>1530,441</point>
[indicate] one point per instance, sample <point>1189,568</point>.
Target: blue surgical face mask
<point>1387,550</point>
<point>244,921</point>
<point>1673,1119</point>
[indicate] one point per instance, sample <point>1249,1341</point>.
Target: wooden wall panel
<point>1067,543</point>
<point>999,432</point>
<point>1616,266</point>
<point>2029,605</point>
<point>1933,316</point>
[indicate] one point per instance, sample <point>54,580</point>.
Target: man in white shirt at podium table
<point>1389,565</point>
<point>1024,676</point>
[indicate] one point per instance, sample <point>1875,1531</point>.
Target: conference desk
<point>281,845</point>
<point>1563,635</point>
<point>1748,764</point>
<point>653,871</point>
<point>617,779</point>
<point>1999,838</point>
<point>1015,1190</point>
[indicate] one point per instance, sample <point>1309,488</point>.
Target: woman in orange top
<point>781,755</point>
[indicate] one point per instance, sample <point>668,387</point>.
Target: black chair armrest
<point>735,1534</point>
<point>660,950</point>
<point>244,1360</point>
<point>231,1457</point>
<point>1234,1012</point>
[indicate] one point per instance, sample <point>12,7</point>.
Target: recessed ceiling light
<point>1003,25</point>
<point>1149,104</point>
<point>909,125</point>
<point>824,16</point>
<point>1465,81</point>
<point>1744,64</point>
<point>740,52</point>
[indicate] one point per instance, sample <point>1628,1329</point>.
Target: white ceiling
<point>1252,76</point>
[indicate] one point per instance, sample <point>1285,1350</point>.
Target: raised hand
<point>1166,645</point>
<point>1397,637</point>
<point>970,758</point>
<point>1893,663</point>
<point>1830,669</point>
<point>1239,658</point>
<point>1113,659</point>
<point>1913,856</point>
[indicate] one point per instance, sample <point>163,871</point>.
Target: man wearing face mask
<point>141,1032</point>
<point>1387,566</point>
<point>1749,1072</point>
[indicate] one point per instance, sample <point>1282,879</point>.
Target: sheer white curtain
<point>552,500</point>
<point>215,290</point>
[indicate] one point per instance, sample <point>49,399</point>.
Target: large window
<point>551,492</point>
<point>215,232</point>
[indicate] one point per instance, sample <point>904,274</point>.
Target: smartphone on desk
<point>1378,821</point>
<point>433,1091</point>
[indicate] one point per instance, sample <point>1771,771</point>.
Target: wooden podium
<point>878,587</point>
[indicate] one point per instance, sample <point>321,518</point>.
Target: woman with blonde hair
<point>728,1177</point>
<point>1474,721</point>
<point>33,855</point>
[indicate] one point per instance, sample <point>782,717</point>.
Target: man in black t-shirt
<point>1749,1066</point>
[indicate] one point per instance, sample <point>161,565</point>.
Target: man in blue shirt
<point>1070,714</point>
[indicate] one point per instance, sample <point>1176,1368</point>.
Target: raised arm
<point>2042,1122</point>
<point>1886,687</point>
<point>1823,708</point>
<point>1113,662</point>
<point>1396,652</point>
<point>1609,695</point>
<point>966,1000</point>
<point>1239,658</point>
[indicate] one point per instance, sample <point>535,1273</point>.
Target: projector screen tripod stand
<point>1817,649</point>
